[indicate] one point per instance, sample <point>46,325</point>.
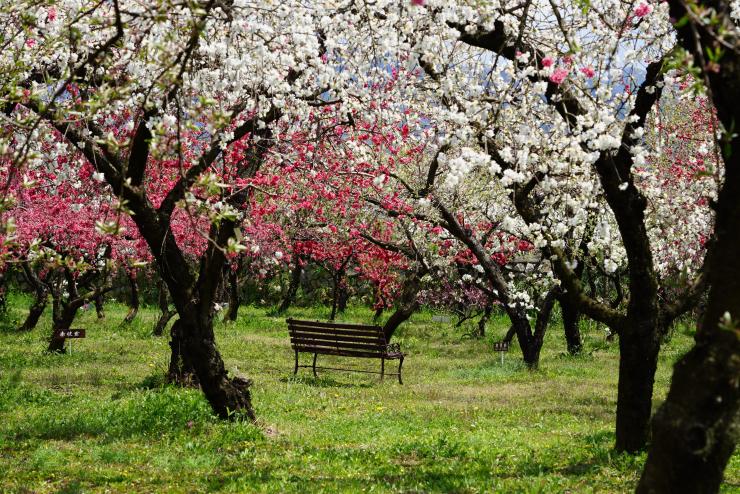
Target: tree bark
<point>41,297</point>
<point>343,298</point>
<point>337,279</point>
<point>407,304</point>
<point>134,300</point>
<point>571,317</point>
<point>35,311</point>
<point>638,360</point>
<point>234,300</point>
<point>164,307</point>
<point>62,318</point>
<point>181,370</point>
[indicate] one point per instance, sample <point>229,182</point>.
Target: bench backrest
<point>337,339</point>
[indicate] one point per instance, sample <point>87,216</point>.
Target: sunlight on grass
<point>101,420</point>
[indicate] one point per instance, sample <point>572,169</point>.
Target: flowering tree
<point>551,101</point>
<point>166,84</point>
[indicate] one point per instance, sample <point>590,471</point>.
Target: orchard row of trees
<point>511,156</point>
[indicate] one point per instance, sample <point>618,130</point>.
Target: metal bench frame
<point>344,340</point>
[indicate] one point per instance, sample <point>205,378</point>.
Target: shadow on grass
<point>325,382</point>
<point>438,463</point>
<point>169,410</point>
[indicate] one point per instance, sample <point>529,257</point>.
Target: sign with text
<point>69,333</point>
<point>501,346</point>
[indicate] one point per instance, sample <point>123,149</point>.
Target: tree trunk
<point>696,429</point>
<point>181,369</point>
<point>234,301</point>
<point>571,317</point>
<point>343,298</point>
<point>41,296</point>
<point>36,310</point>
<point>164,307</point>
<point>337,280</point>
<point>406,306</point>
<point>196,360</point>
<point>378,314</point>
<point>510,334</point>
<point>134,300</point>
<point>638,359</point>
<point>99,307</point>
<point>62,319</point>
<point>484,320</point>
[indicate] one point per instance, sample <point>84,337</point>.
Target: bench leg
<point>314,364</point>
<point>400,364</point>
<point>382,368</point>
<point>295,370</point>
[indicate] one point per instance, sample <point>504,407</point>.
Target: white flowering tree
<point>551,99</point>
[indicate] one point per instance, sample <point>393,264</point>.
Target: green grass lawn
<point>99,420</point>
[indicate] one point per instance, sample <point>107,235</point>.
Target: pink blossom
<point>547,62</point>
<point>51,14</point>
<point>588,72</point>
<point>559,75</point>
<point>643,9</point>
<point>417,2</point>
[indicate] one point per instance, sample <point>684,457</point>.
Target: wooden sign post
<point>501,347</point>
<point>69,334</point>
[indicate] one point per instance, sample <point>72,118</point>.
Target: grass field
<point>100,420</point>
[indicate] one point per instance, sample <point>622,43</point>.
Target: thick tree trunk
<point>63,319</point>
<point>195,357</point>
<point>696,430</point>
<point>134,300</point>
<point>638,360</point>
<point>164,307</point>
<point>234,300</point>
<point>196,360</point>
<point>571,317</point>
<point>36,310</point>
<point>405,307</point>
<point>181,369</point>
<point>295,282</point>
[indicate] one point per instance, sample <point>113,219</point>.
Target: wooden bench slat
<point>374,340</point>
<point>336,344</point>
<point>329,351</point>
<point>312,329</point>
<point>331,325</point>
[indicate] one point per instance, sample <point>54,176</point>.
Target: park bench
<point>344,340</point>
